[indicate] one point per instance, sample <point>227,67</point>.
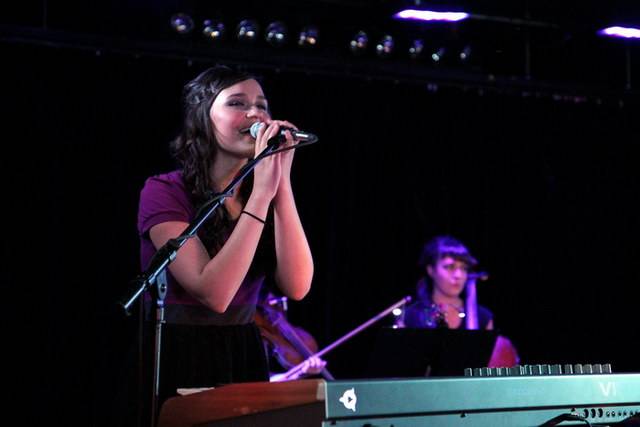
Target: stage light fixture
<point>359,43</point>
<point>213,29</point>
<point>465,54</point>
<point>247,30</point>
<point>384,48</point>
<point>276,34</point>
<point>308,37</point>
<point>430,15</point>
<point>623,32</point>
<point>438,55</point>
<point>181,23</point>
<point>416,48</point>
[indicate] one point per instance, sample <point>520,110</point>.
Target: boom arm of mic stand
<point>158,263</point>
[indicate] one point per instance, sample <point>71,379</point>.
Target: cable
<point>565,417</point>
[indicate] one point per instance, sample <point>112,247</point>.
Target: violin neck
<point>295,340</point>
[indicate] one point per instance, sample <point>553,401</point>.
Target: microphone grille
<point>255,128</point>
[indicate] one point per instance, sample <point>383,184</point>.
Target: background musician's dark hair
<point>432,252</point>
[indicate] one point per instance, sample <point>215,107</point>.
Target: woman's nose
<point>254,111</point>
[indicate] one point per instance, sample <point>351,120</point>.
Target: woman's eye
<point>242,104</point>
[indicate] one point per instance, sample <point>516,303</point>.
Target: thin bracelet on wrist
<point>253,216</point>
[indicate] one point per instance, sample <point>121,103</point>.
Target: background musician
<point>446,265</point>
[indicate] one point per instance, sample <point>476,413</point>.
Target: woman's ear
<point>429,270</point>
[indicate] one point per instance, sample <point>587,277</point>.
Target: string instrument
<point>504,352</point>
<point>290,345</point>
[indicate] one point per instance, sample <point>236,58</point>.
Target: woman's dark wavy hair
<point>432,252</point>
<point>196,146</point>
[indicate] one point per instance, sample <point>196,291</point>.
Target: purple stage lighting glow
<point>625,32</point>
<point>429,15</point>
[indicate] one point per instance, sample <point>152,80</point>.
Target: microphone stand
<point>471,304</point>
<point>156,271</point>
<point>471,300</point>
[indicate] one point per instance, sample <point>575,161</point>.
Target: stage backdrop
<point>544,193</point>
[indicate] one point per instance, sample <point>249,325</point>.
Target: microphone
<point>480,275</point>
<point>298,135</point>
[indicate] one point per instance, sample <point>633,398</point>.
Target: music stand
<point>419,352</point>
